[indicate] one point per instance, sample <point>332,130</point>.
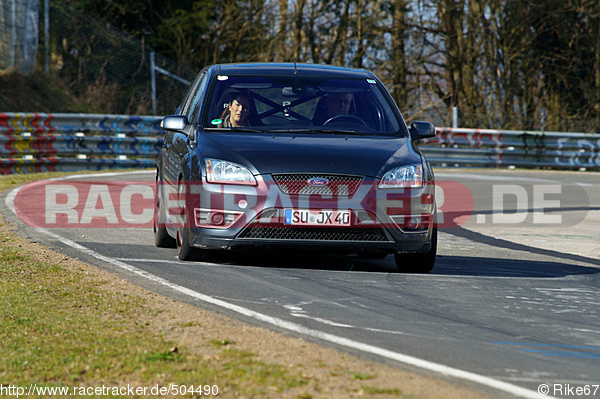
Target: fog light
<point>217,219</point>
<point>413,224</point>
<point>210,218</point>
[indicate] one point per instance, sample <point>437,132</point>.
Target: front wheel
<point>186,251</point>
<point>162,239</point>
<point>418,262</point>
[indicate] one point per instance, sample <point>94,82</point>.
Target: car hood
<point>286,153</point>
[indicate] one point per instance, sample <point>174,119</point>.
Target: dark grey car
<point>256,158</point>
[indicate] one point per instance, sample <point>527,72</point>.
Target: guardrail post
<point>454,117</point>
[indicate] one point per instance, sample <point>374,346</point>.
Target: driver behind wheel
<point>332,105</point>
<point>238,112</point>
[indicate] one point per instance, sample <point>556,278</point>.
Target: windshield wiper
<point>235,129</point>
<point>266,130</point>
<point>293,130</point>
<point>247,130</point>
<point>337,131</point>
<point>313,131</point>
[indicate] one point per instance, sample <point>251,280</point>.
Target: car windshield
<point>301,104</point>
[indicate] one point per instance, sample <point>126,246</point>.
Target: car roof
<point>289,69</point>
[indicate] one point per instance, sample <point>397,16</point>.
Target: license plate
<point>303,217</point>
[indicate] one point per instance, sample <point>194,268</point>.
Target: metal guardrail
<point>506,148</point>
<point>39,142</point>
<point>32,142</point>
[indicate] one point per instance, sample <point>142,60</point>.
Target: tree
<point>504,63</point>
<point>173,37</point>
<point>398,56</point>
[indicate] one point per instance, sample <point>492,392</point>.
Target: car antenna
<point>294,55</point>
<point>295,68</point>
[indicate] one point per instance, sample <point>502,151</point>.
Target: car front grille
<point>294,184</point>
<point>315,234</point>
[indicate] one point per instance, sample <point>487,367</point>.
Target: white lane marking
<point>149,260</point>
<point>297,328</point>
<point>298,311</point>
<point>336,324</point>
<point>323,321</point>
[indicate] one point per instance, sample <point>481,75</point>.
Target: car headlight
<point>410,176</point>
<point>218,171</point>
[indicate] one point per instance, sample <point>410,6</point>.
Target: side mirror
<point>421,130</point>
<point>174,122</point>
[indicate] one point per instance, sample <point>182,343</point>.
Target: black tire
<point>418,262</point>
<point>162,239</point>
<point>186,251</point>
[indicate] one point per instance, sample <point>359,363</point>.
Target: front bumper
<point>234,217</point>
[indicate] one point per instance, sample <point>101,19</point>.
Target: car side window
<point>193,111</point>
<point>184,107</point>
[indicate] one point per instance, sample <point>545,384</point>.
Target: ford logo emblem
<point>317,181</point>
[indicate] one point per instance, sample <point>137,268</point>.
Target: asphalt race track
<point>513,303</point>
